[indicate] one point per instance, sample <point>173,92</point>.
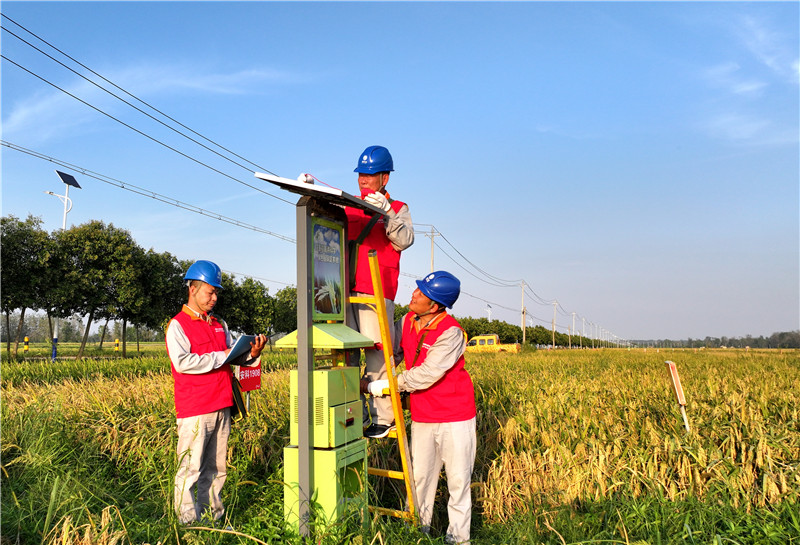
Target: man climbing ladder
<point>388,235</point>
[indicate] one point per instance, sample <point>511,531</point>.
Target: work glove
<point>378,200</point>
<point>376,387</point>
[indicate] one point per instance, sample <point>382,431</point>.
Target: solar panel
<point>330,194</point>
<point>68,179</point>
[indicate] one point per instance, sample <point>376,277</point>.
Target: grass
<point>574,447</point>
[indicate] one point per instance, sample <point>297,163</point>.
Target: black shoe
<point>376,431</point>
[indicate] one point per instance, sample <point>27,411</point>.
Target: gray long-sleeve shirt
<point>399,229</point>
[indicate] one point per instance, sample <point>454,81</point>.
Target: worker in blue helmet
<point>198,344</point>
<point>441,400</point>
<point>389,234</point>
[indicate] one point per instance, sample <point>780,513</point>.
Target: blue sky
<point>637,162</point>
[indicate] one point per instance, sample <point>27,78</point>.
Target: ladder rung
<point>391,473</point>
<point>363,300</point>
<point>391,512</point>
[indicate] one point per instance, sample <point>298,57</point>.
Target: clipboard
<point>241,346</point>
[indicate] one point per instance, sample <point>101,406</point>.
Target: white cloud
<point>40,117</point>
<point>170,79</point>
<point>748,129</point>
<point>727,76</point>
<point>734,126</point>
<point>771,48</point>
<point>751,87</point>
<point>746,87</point>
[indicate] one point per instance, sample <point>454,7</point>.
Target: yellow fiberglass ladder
<point>378,303</point>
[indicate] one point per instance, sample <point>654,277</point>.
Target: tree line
<point>98,271</point>
<point>781,339</point>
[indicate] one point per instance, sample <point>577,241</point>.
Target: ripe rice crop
<point>574,447</point>
<point>591,426</point>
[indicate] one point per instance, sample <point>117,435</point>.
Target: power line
<point>495,278</point>
<point>146,192</point>
<point>145,134</point>
<point>467,271</point>
<point>127,93</point>
<point>259,278</point>
<point>536,296</point>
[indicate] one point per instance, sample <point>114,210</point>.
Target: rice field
<point>580,446</point>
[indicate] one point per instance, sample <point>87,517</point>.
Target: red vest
<point>388,257</point>
<point>452,398</point>
<point>206,392</point>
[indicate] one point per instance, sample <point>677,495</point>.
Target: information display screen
<point>327,269</point>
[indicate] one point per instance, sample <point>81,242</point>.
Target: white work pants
<point>451,444</point>
<point>202,469</point>
<point>365,320</point>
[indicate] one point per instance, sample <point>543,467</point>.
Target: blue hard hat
<point>375,159</point>
<point>205,271</point>
<point>440,287</point>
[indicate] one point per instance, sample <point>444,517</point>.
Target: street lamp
<point>69,180</point>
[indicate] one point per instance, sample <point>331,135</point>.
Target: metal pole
<point>573,330</point>
<point>523,312</point>
<point>305,363</point>
<point>555,303</point>
<point>432,235</point>
<point>67,207</point>
<point>583,331</point>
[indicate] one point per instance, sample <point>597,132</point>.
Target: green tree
<point>164,289</point>
<point>250,308</point>
<point>476,326</point>
<point>400,311</point>
<point>226,299</point>
<point>24,274</point>
<point>285,320</point>
<point>99,268</point>
<point>127,296</point>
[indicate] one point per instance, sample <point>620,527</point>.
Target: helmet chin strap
<point>426,313</point>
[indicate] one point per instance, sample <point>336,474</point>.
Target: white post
<point>676,385</point>
<point>523,312</point>
<point>68,180</point>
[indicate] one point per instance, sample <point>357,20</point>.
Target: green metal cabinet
<point>339,477</point>
<point>337,412</point>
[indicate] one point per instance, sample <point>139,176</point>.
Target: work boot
<point>376,431</point>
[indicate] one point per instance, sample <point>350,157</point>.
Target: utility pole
<point>523,312</point>
<point>555,304</point>
<point>573,330</point>
<point>432,235</point>
<point>583,333</point>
